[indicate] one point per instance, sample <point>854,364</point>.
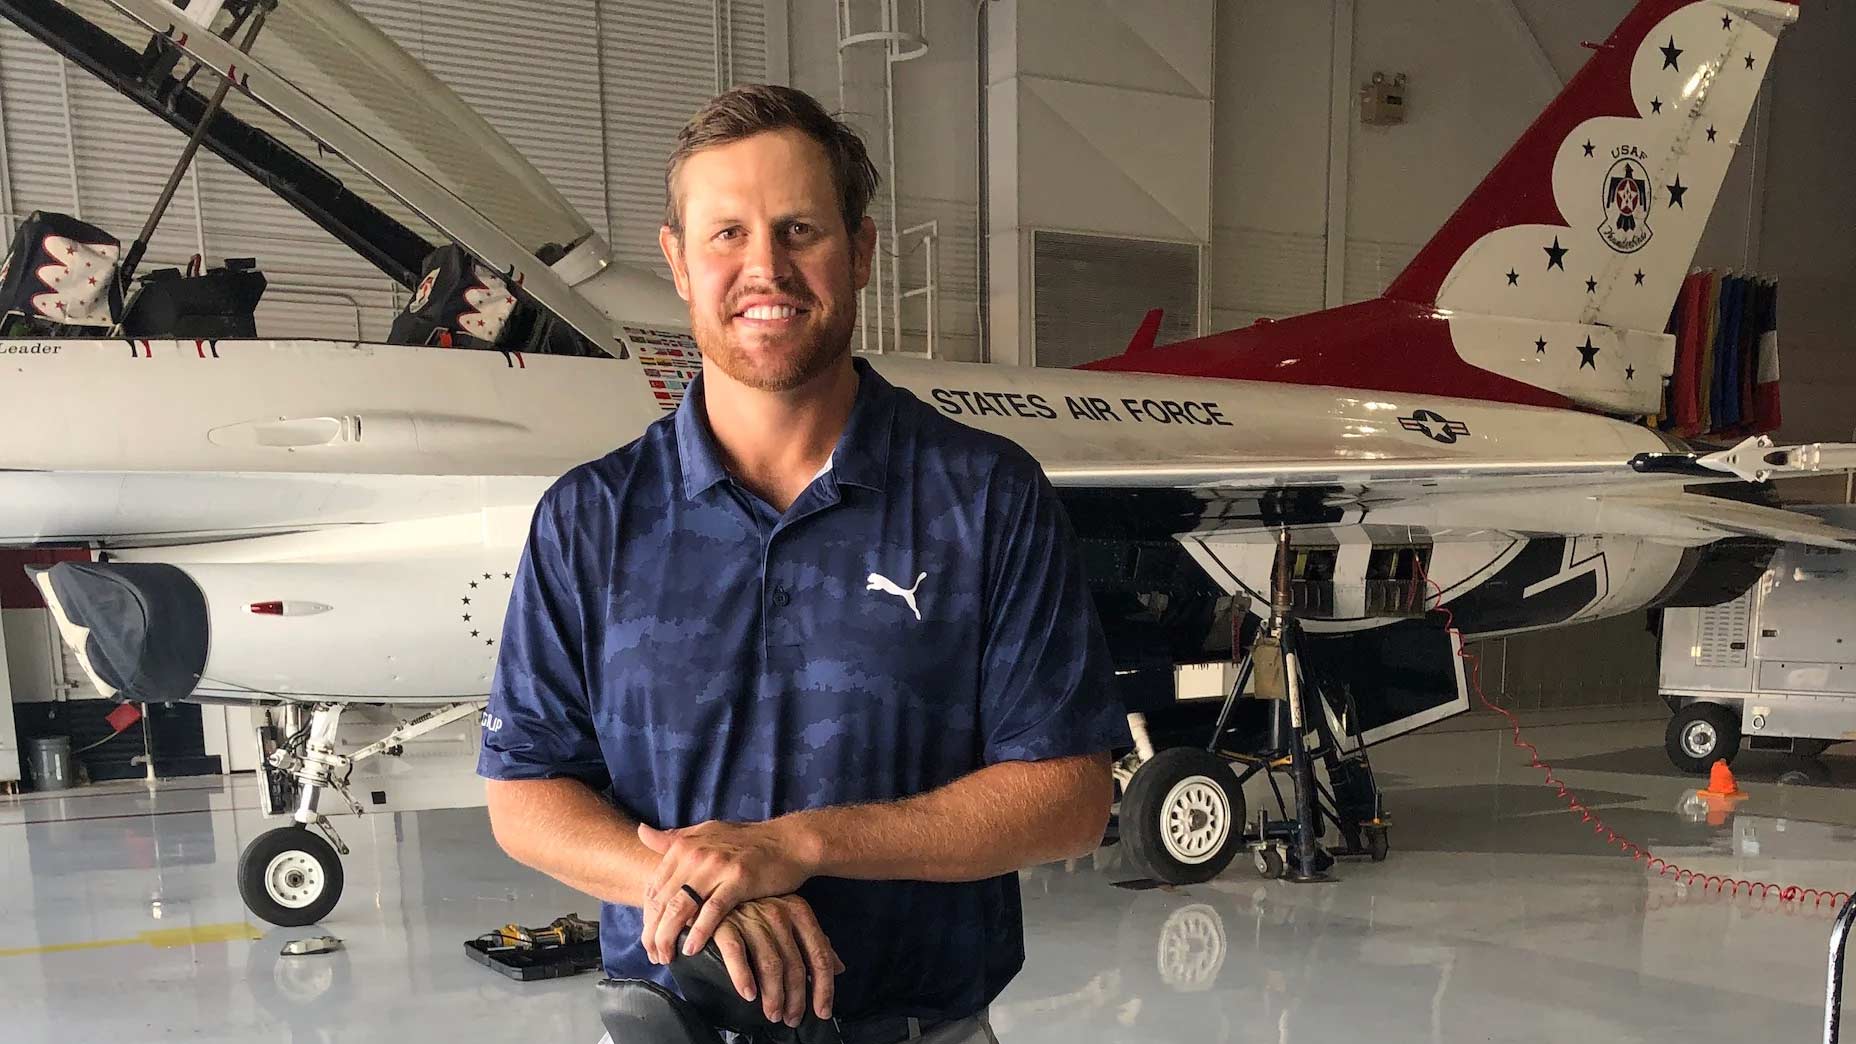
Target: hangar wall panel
<point>1607,665</point>
<point>1803,242</point>
<point>935,175</point>
<point>1087,287</point>
<point>662,63</point>
<point>1100,118</point>
<point>1270,155</point>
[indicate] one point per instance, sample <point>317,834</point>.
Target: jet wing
<point>1643,495</point>
<point>1734,517</point>
<point>1753,460</point>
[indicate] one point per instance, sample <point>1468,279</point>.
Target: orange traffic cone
<point>1721,782</point>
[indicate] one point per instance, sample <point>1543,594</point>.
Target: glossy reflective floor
<point>1498,918</point>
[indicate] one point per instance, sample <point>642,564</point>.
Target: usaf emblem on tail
<point>1627,203</point>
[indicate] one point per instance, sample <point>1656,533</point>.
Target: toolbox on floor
<point>568,946</point>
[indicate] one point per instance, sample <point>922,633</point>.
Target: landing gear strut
<point>1182,809</point>
<point>292,875</point>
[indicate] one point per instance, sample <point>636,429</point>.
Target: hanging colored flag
<point>1766,388</point>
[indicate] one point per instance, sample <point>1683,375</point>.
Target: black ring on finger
<point>693,894</point>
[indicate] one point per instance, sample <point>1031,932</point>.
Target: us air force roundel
<point>1433,426</point>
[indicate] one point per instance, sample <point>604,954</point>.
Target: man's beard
<point>825,339</point>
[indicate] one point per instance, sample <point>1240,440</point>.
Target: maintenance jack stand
<point>1290,847</point>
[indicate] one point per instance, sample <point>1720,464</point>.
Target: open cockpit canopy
<point>342,124</point>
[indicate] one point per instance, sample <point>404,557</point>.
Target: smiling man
<point>809,667</point>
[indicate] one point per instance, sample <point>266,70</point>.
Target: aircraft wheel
<point>1378,842</point>
<point>1182,816</point>
<point>290,876</point>
<point>1701,734</point>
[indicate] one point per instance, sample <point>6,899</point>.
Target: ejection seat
<point>460,303</point>
<point>59,279</point>
<point>635,1011</point>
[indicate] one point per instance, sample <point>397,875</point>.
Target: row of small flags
<point>1726,380</point>
<point>671,361</point>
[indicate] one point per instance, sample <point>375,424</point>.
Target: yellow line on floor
<point>160,939</point>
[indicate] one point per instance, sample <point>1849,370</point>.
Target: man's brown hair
<point>751,109</point>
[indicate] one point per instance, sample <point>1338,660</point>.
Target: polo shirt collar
<point>860,459</point>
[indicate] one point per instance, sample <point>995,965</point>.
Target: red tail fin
<point>1147,332</point>
<point>1594,215</point>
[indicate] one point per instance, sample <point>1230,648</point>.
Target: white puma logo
<point>879,582</point>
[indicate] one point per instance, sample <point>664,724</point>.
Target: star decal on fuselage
<point>1588,352</point>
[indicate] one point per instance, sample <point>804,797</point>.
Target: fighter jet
<point>315,524</point>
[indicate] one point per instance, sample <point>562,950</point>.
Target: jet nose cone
<point>138,628</point>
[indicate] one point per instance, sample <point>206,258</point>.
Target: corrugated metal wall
<point>591,91</point>
<point>1085,288</point>
<point>661,62</point>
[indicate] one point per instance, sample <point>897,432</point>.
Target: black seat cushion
<point>635,1011</point>
<point>704,980</point>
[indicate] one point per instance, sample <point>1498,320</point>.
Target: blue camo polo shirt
<point>919,613</point>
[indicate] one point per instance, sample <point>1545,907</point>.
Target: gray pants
<point>976,1030</point>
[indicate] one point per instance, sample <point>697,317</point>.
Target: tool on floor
<point>313,945</point>
<point>559,932</point>
<point>568,945</point>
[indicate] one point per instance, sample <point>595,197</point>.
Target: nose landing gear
<point>292,875</point>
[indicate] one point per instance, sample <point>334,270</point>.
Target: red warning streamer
<point>1732,886</point>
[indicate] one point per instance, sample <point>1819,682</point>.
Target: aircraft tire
<point>1378,842</point>
<point>290,876</point>
<point>1701,734</point>
<point>1182,817</point>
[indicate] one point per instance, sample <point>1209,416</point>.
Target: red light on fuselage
<point>266,608</point>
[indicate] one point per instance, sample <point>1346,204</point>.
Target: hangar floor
<point>1497,918</point>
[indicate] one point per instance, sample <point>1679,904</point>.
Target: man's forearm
<point>999,819</point>
<point>565,830</point>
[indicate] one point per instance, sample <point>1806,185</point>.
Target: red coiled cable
<point>1731,886</point>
